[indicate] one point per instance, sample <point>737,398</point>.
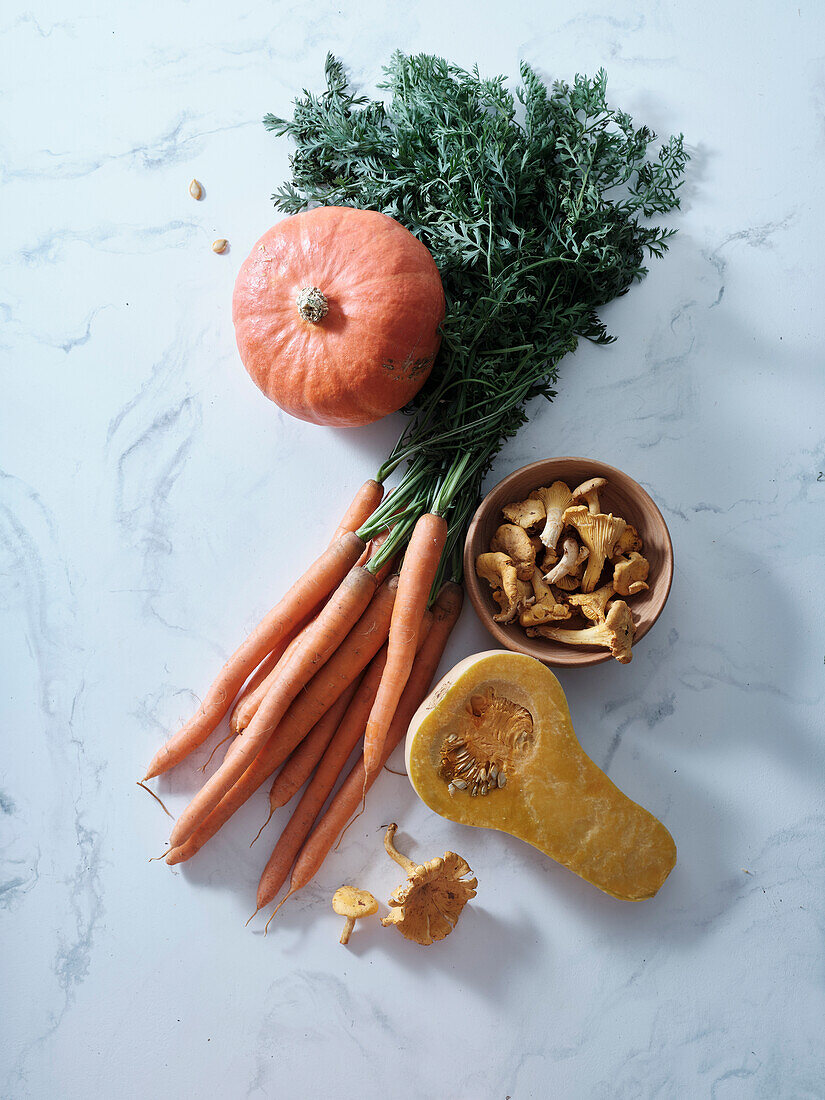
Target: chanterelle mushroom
<point>593,604</point>
<point>588,492</point>
<point>556,499</point>
<point>630,574</point>
<point>546,608</point>
<point>572,557</point>
<point>615,633</point>
<point>514,541</point>
<point>599,534</point>
<point>353,904</point>
<point>525,513</point>
<point>511,594</point>
<point>628,541</point>
<point>427,906</point>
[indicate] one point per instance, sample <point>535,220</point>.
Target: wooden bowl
<point>623,497</point>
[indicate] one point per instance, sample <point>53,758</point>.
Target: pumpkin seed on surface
<point>220,245</point>
<point>196,190</point>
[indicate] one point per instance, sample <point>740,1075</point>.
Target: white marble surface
<point>147,499</point>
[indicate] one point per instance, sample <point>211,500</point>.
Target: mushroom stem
<point>393,852</point>
<point>349,924</point>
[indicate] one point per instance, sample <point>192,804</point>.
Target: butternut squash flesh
<point>498,725</point>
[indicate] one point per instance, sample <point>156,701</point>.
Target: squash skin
<point>375,347</point>
<point>556,798</point>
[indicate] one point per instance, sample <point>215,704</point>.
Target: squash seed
<point>220,245</point>
<point>195,190</point>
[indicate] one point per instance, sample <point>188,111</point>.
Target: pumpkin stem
<point>312,304</point>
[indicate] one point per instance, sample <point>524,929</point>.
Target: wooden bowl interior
<point>623,497</point>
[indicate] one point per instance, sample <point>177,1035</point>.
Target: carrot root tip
<point>275,910</point>
<point>142,783</point>
<point>260,831</point>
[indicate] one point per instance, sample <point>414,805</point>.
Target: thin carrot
<point>326,775</point>
<point>248,704</point>
<point>299,767</point>
<point>364,503</point>
<point>333,677</point>
<point>260,674</point>
<point>323,577</point>
<point>322,732</point>
<point>415,583</point>
<point>318,643</point>
<point>348,796</point>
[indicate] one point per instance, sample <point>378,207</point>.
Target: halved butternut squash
<point>493,746</point>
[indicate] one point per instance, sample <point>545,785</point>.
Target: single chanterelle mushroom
<point>427,906</point>
<point>628,541</point>
<point>511,594</point>
<point>572,557</point>
<point>546,608</point>
<point>556,499</point>
<point>615,633</point>
<point>514,541</point>
<point>599,534</point>
<point>353,904</point>
<point>593,604</point>
<point>588,492</point>
<point>525,513</point>
<point>630,574</point>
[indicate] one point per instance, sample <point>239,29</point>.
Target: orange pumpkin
<point>337,313</point>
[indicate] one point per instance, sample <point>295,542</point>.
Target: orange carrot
<point>320,786</point>
<point>248,704</point>
<point>349,794</point>
<point>261,673</point>
<point>354,654</point>
<point>317,644</point>
<point>322,578</point>
<point>322,731</point>
<point>364,503</point>
<point>415,583</point>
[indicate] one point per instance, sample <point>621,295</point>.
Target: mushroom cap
<point>630,574</point>
<point>592,485</point>
<point>427,906</point>
<point>524,513</point>
<point>514,541</point>
<point>348,901</point>
<point>592,604</point>
<point>620,622</point>
<point>628,541</point>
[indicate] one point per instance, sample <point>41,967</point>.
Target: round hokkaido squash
<point>337,315</point>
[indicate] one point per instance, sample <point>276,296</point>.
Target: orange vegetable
<point>329,769</point>
<point>337,314</point>
<point>415,583</point>
<point>322,577</point>
<point>317,644</point>
<point>345,803</point>
<point>329,683</point>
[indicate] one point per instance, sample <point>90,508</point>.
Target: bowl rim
<point>582,658</point>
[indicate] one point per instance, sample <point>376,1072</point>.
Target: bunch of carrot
<point>350,650</point>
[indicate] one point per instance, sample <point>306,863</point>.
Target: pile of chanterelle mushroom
<point>558,557</point>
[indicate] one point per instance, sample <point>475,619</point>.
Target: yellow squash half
<point>493,746</point>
